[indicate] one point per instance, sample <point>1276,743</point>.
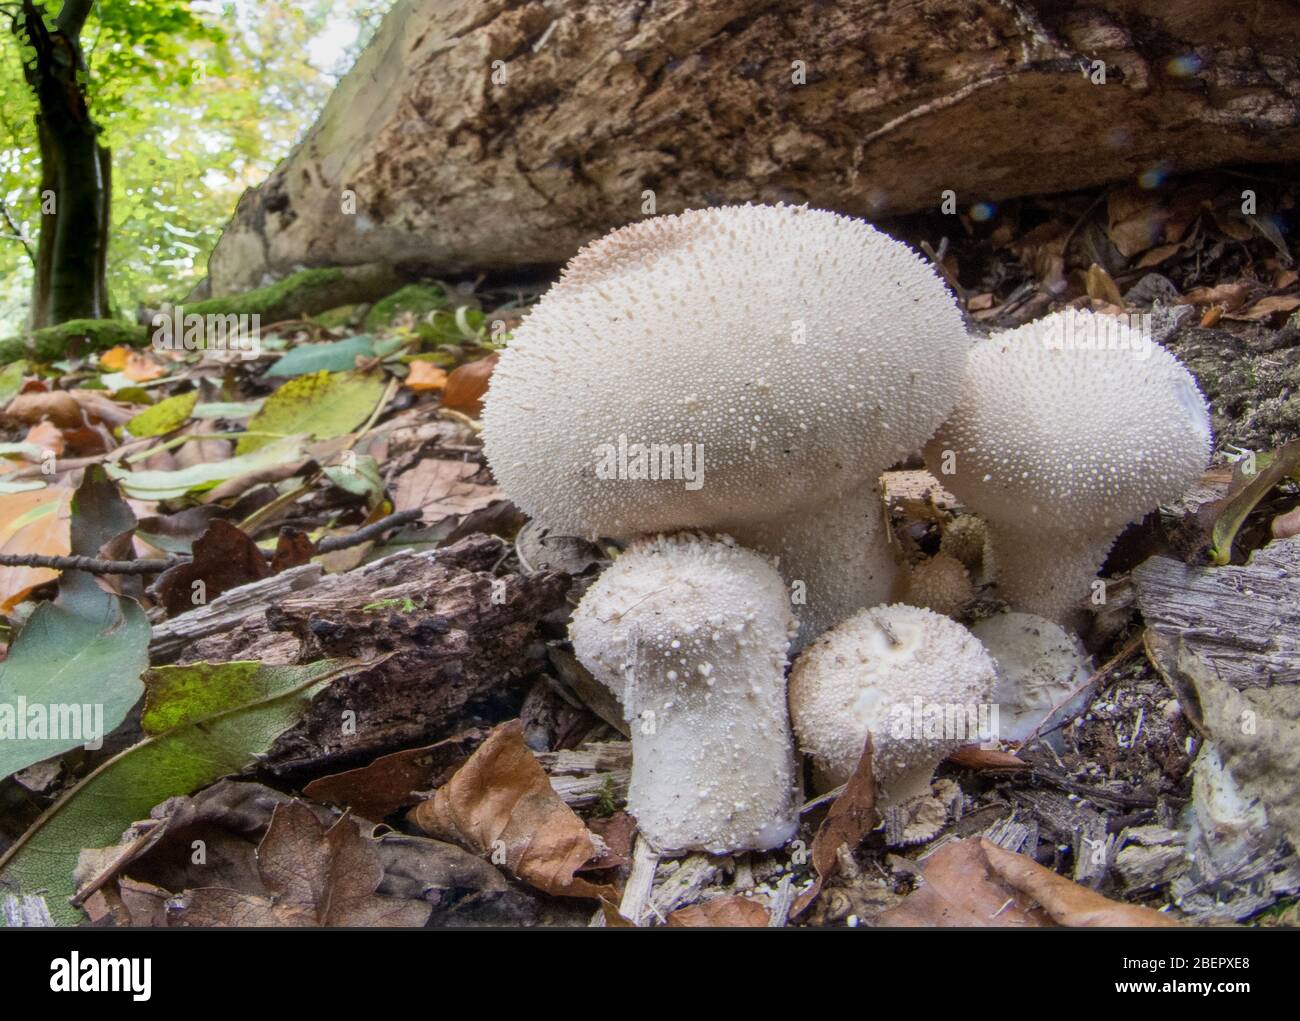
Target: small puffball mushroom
<point>1038,663</point>
<point>691,633</point>
<point>1068,429</point>
<point>939,583</point>
<point>736,370</point>
<point>966,539</point>
<point>915,680</point>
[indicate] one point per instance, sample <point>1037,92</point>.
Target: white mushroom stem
<point>691,633</point>
<point>1060,594</point>
<point>835,561</point>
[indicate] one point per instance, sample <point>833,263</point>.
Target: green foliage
<point>322,405</point>
<point>196,106</point>
<point>418,299</point>
<point>201,721</point>
<point>53,342</point>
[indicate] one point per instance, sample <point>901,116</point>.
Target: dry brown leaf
<point>721,912</point>
<point>1158,255</point>
<point>972,756</point>
<point>55,406</point>
<point>424,377</point>
<point>1101,287</point>
<point>47,435</point>
<point>36,521</point>
<point>974,882</point>
<point>1135,219</point>
<point>467,384</point>
<point>311,876</point>
<point>980,302</point>
<point>501,804</point>
<point>391,781</point>
<point>141,368</point>
<point>224,558</point>
<point>1266,308</point>
<point>1286,525</point>
<point>440,489</point>
<point>1230,296</point>
<point>1212,315</point>
<point>850,818</point>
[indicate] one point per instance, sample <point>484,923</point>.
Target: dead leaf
<point>47,435</point>
<point>439,488</point>
<point>1212,315</point>
<point>850,818</point>
<point>1135,219</point>
<point>115,358</point>
<point>974,882</point>
<point>425,377</point>
<point>292,549</point>
<point>141,368</point>
<point>1101,287</point>
<point>1230,296</point>
<point>394,781</point>
<point>1158,255</point>
<point>57,406</point>
<point>1266,308</point>
<point>1286,525</point>
<point>501,804</point>
<point>224,558</point>
<point>721,912</point>
<point>311,876</point>
<point>36,521</point>
<point>467,384</point>
<point>972,756</point>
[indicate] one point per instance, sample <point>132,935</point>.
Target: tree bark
<point>72,256</point>
<point>497,134</point>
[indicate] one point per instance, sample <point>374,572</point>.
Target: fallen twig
<point>96,565</point>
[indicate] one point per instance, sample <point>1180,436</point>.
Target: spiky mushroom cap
<point>1067,429</point>
<point>800,351</point>
<point>914,680</point>
<point>690,633</point>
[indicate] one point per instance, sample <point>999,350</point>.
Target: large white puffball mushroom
<point>917,682</point>
<point>691,634</point>
<point>730,369</point>
<point>1068,429</point>
<point>1039,664</point>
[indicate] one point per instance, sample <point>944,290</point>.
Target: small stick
<point>95,565</point>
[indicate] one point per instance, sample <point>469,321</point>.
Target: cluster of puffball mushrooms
<point>803,353</point>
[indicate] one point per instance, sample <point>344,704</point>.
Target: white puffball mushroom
<point>939,583</point>
<point>1038,664</point>
<point>736,370</point>
<point>691,633</point>
<point>1068,428</point>
<point>915,680</point>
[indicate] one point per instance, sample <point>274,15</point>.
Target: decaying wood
<point>456,632</point>
<point>1228,640</point>
<point>499,133</point>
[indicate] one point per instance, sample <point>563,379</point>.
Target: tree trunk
<point>72,258</point>
<point>494,134</point>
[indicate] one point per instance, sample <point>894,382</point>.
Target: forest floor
<point>356,653</point>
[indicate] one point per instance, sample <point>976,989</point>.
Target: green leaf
<point>227,409</point>
<point>11,380</point>
<point>360,478</point>
<point>164,416</point>
<point>338,356</point>
<point>77,661</point>
<point>323,404</point>
<point>1230,513</point>
<point>209,721</point>
<point>167,485</point>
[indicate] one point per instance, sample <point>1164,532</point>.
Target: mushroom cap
<point>1051,428</point>
<point>940,583</point>
<point>874,673</point>
<point>1038,664</point>
<point>802,350</point>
